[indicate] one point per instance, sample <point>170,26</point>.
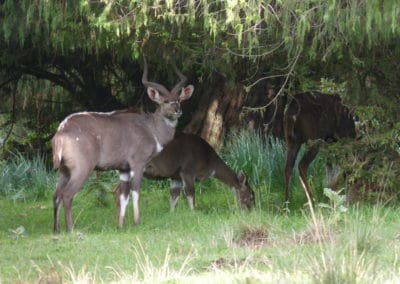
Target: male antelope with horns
<point>122,141</point>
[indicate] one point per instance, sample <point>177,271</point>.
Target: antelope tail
<point>57,151</point>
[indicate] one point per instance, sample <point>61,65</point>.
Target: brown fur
<point>121,140</point>
<point>188,158</point>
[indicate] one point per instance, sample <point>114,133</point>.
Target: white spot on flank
<point>131,174</point>
<point>124,177</point>
<point>171,123</point>
<point>77,138</point>
<point>123,201</point>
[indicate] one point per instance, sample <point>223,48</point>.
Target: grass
<point>216,243</point>
<point>22,178</point>
<point>224,244</point>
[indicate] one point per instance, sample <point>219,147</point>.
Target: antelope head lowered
<point>123,141</point>
<point>189,158</point>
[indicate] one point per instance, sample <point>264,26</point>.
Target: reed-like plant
<point>23,178</point>
<point>262,157</point>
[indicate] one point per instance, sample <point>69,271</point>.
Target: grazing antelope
<point>123,141</point>
<point>186,159</point>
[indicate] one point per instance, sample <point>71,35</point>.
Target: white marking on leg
<point>124,177</point>
<point>135,201</point>
<point>332,175</point>
<point>176,184</point>
<point>212,173</point>
<point>131,174</point>
<point>123,201</point>
<point>190,201</point>
<point>173,202</point>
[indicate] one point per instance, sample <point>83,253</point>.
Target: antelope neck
<point>164,128</point>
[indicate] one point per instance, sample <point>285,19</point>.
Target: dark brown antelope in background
<point>123,141</point>
<point>306,116</point>
<point>312,116</point>
<point>186,159</point>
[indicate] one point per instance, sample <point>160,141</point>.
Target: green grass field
<point>216,243</point>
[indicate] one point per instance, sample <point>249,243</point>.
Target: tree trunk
<point>218,109</point>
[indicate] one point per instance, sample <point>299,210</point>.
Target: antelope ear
<point>154,95</point>
<point>186,92</point>
<point>242,177</point>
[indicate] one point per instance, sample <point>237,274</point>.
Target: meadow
<point>215,243</point>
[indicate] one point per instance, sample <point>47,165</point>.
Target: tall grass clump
<point>23,178</point>
<point>262,157</point>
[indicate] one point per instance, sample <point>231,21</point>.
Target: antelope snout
<point>176,110</point>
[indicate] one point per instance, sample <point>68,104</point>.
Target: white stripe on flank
<point>62,124</point>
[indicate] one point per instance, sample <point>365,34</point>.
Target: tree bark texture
<point>218,109</point>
